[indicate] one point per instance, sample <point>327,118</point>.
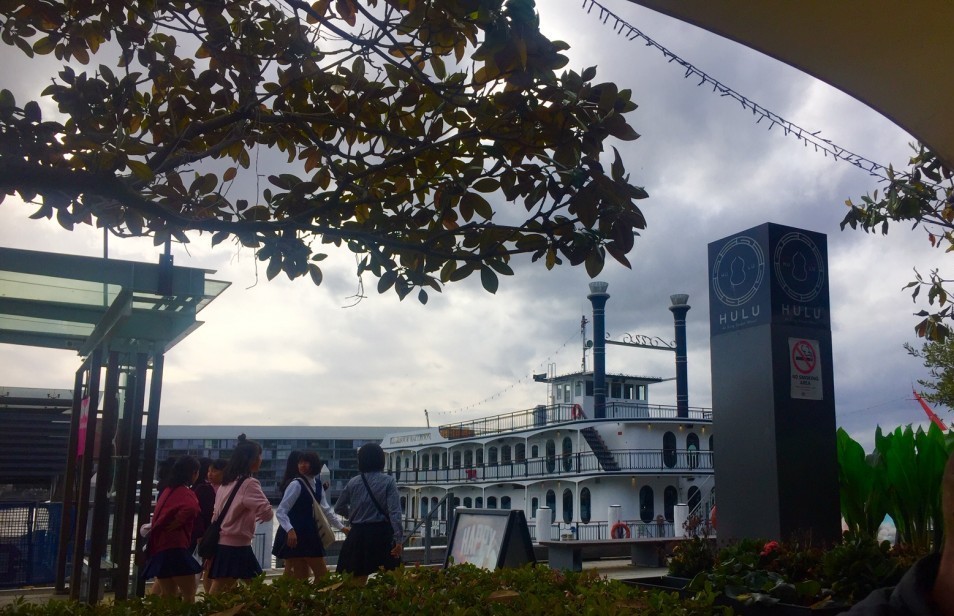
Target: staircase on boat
<point>602,452</point>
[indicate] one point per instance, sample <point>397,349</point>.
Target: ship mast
<point>583,323</point>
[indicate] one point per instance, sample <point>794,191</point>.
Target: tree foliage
<point>432,138</point>
<point>923,196</point>
<point>938,357</point>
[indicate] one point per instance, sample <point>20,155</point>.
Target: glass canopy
<point>73,302</point>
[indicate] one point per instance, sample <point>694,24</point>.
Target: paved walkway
<point>617,569</point>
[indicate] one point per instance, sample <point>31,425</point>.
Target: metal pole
<point>86,472</point>
<point>66,515</point>
<point>104,477</point>
<point>149,451</point>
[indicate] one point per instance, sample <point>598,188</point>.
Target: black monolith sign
<point>773,396</point>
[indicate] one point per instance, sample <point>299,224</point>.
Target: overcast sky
<point>288,353</point>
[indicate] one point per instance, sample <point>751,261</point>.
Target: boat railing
<point>558,414</point>
<point>584,462</point>
<point>593,531</point>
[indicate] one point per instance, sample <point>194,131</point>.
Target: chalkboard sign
<point>490,539</point>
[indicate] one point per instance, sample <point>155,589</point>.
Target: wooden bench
<point>568,555</point>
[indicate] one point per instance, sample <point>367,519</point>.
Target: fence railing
<point>629,461</point>
<point>29,536</point>
<point>557,414</point>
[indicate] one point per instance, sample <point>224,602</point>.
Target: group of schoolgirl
<point>188,502</point>
<point>374,537</point>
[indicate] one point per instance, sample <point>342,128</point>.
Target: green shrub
<point>460,590</point>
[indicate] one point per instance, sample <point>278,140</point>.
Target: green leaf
<point>274,267</point>
<point>140,169</point>
<point>488,278</point>
<point>315,272</point>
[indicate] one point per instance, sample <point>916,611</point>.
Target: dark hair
<point>204,464</point>
<point>219,464</point>
<point>164,473</point>
<point>291,470</point>
<point>314,462</point>
<point>370,458</point>
<point>182,471</point>
<point>243,456</point>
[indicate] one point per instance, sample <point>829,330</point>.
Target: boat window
<point>711,442</point>
<point>692,447</point>
<point>456,502</point>
<point>425,462</point>
<point>567,506</point>
<point>480,457</point>
<point>520,452</point>
<point>567,454</point>
<point>670,495</point>
<point>407,462</point>
<point>534,451</point>
<point>403,504</point>
<point>505,502</point>
<point>589,388</point>
<point>669,449</point>
<point>551,503</point>
<point>444,460</point>
<point>628,391</point>
<point>468,502</point>
<point>616,390</point>
<point>443,512</point>
<point>491,502</point>
<point>567,392</point>
<point>578,389</point>
<point>695,497</point>
<point>505,454</point>
<point>434,461</point>
<point>647,505</point>
<point>456,459</point>
<point>492,456</point>
<point>551,456</point>
<point>479,502</point>
<point>559,392</point>
<point>424,503</point>
<point>468,458</point>
<point>585,505</point>
<point>534,505</point>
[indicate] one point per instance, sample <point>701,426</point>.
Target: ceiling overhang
<point>83,303</point>
<point>895,57</point>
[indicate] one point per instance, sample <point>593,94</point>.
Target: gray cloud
<point>288,353</point>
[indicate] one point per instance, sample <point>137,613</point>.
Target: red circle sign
<point>804,357</point>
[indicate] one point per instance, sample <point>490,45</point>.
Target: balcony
<point>559,414</point>
<point>646,461</point>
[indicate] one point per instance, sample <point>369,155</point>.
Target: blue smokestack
<point>598,297</point>
<point>679,309</point>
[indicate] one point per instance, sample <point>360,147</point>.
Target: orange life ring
<point>620,530</point>
<point>576,412</point>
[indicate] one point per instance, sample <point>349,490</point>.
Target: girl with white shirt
<point>297,540</point>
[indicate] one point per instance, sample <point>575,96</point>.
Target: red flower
<point>768,548</point>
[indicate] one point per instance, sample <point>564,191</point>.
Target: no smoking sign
<point>805,369</point>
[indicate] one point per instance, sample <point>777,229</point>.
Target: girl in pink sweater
<point>234,560</point>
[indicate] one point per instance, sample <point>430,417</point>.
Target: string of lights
<point>808,138</point>
<point>528,378</point>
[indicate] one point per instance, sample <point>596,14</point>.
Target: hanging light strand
<point>808,138</point>
<point>528,378</point>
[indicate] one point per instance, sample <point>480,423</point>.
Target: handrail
<point>677,461</point>
<point>558,414</point>
<point>427,516</point>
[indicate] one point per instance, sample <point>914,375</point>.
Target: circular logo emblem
<point>799,267</point>
<point>738,271</point>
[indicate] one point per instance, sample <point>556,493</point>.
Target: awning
<point>72,302</point>
<point>896,57</point>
